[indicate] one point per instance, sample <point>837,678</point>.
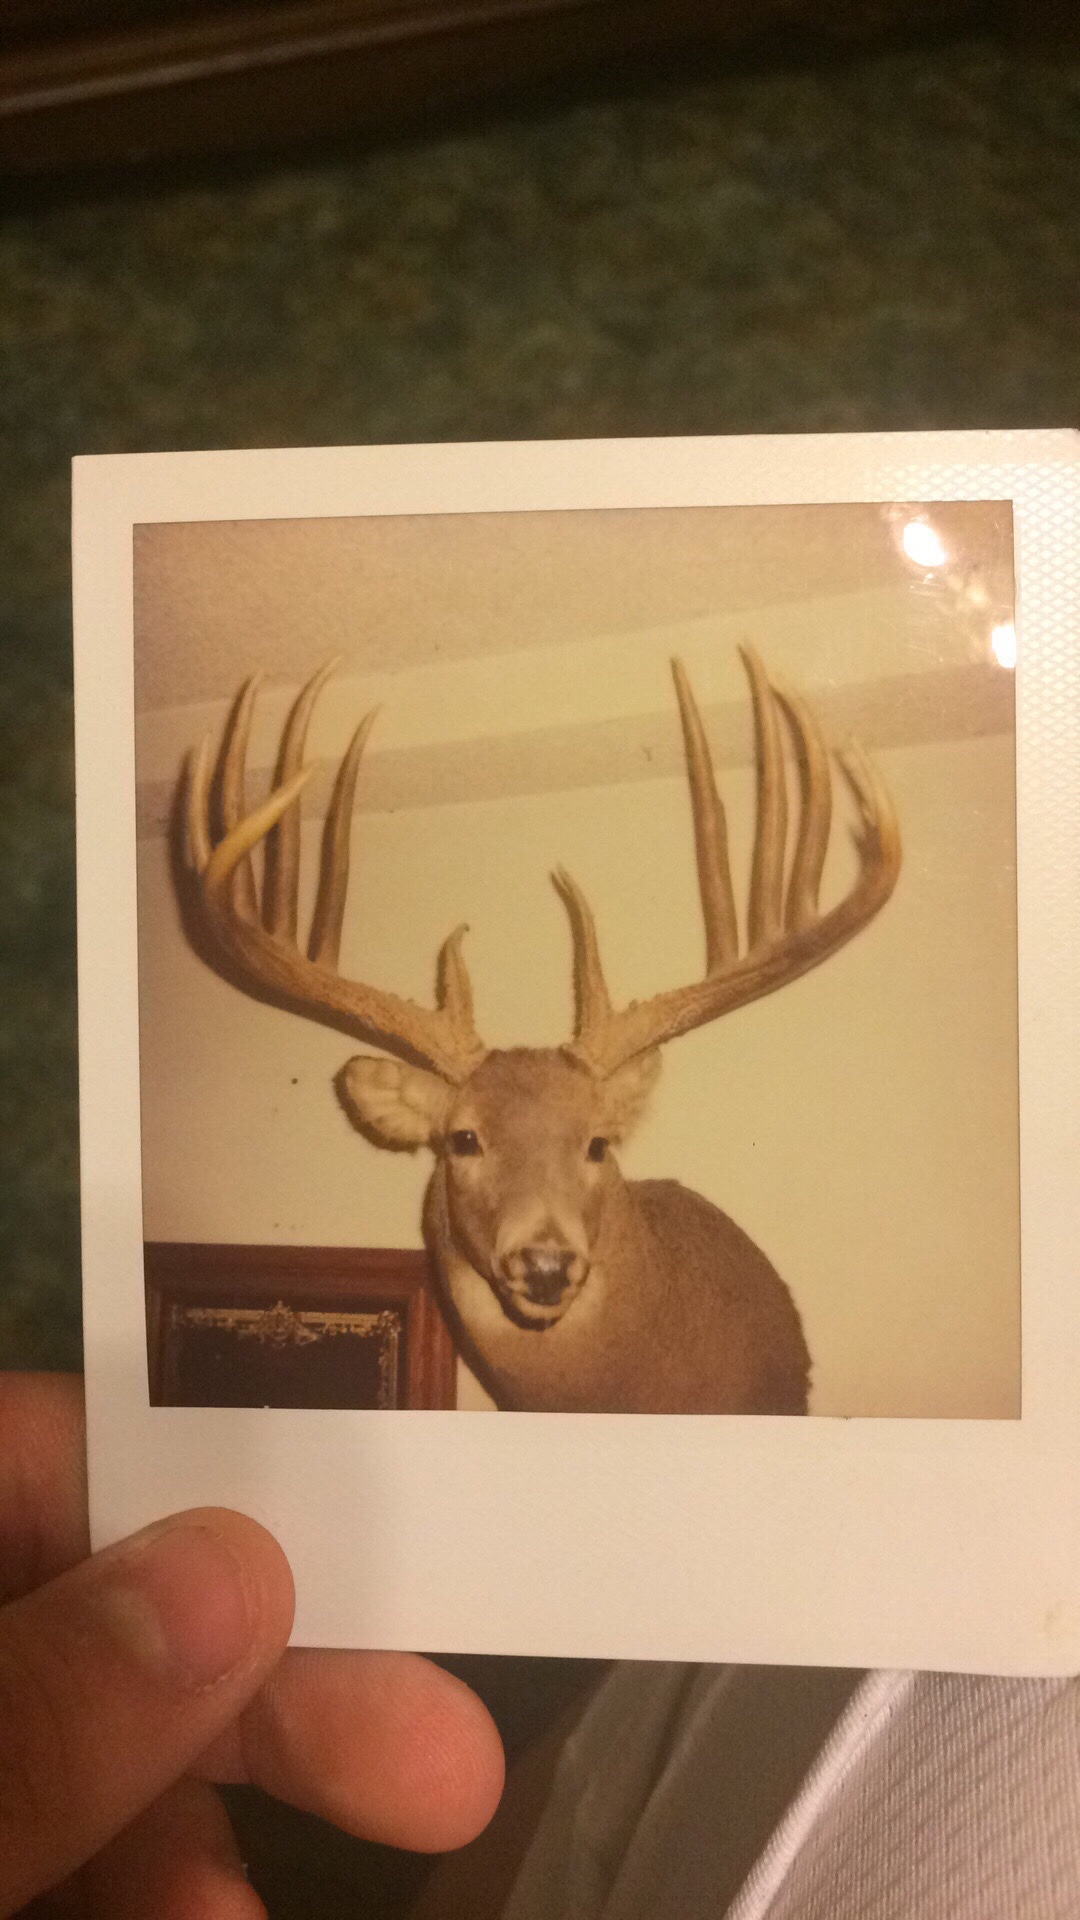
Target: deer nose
<point>546,1272</point>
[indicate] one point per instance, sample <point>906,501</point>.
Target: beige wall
<point>861,1125</point>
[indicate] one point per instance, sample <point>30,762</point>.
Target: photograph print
<point>577,961</point>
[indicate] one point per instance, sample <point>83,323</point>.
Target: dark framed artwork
<point>266,1326</point>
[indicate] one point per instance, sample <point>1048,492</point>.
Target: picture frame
<point>284,1325</point>
<point>918,1541</point>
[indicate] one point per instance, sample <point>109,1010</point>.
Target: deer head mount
<point>525,1180</point>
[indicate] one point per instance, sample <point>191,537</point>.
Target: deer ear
<point>626,1092</point>
<point>401,1106</point>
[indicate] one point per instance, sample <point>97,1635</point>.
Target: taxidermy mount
<point>567,1288</point>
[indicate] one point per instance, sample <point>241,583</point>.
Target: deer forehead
<point>527,1090</point>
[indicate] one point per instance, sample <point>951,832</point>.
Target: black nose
<point>546,1273</point>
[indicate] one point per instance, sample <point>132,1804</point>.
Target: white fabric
<point>923,1797</point>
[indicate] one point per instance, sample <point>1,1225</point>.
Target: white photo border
<point>948,1544</point>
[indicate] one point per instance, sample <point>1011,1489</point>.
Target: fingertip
<point>461,1762</point>
<point>443,1771</point>
<point>385,1745</point>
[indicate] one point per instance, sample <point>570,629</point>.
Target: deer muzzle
<point>537,1282</point>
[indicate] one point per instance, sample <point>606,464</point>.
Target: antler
<point>259,935</point>
<point>787,934</point>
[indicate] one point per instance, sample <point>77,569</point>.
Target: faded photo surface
<point>723,1120</point>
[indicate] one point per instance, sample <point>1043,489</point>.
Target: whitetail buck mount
<point>567,1288</point>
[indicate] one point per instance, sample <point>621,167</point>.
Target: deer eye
<point>464,1142</point>
<point>597,1148</point>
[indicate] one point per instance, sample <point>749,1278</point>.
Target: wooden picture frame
<point>294,1327</point>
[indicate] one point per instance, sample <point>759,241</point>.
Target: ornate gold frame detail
<point>282,1326</point>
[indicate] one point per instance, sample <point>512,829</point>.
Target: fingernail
<point>180,1605</point>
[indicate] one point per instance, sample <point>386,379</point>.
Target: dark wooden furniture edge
<point>193,1272</point>
<point>228,78</point>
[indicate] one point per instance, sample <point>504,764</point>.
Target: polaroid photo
<point>586,934</point>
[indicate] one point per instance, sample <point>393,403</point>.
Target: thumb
<point>114,1677</point>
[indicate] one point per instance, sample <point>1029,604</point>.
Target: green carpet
<point>888,240</point>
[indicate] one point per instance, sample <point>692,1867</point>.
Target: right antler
<point>258,935</point>
<point>787,934</point>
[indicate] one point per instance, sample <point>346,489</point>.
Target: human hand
<point>130,1681</point>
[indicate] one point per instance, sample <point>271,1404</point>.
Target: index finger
<point>43,1520</point>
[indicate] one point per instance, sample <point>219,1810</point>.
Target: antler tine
<point>881,829</point>
<point>590,988</point>
<point>788,934</point>
<point>455,987</point>
<point>325,938</point>
<point>766,915</point>
<point>263,950</point>
<point>199,844</point>
<point>710,832</point>
<point>815,817</point>
<point>232,794</point>
<point>281,881</point>
<point>247,833</point>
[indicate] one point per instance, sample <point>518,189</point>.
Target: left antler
<point>787,934</point>
<point>259,935</point>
